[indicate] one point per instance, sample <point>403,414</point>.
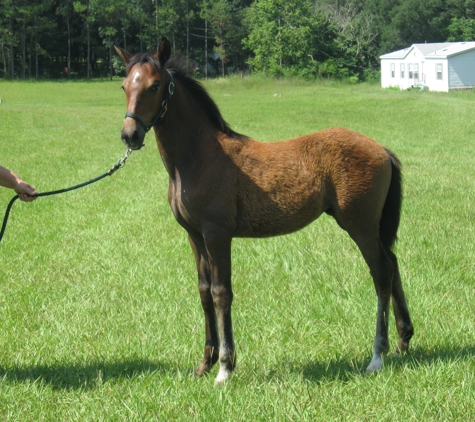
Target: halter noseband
<point>161,112</point>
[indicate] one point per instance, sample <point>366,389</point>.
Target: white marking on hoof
<point>375,365</point>
<point>223,375</point>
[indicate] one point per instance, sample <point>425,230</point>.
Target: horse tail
<point>391,214</point>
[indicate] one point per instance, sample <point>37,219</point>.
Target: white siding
<point>432,82</point>
<point>386,79</point>
<point>462,71</point>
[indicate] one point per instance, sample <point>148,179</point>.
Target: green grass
<point>101,318</point>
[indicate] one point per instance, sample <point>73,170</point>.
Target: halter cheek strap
<point>161,112</point>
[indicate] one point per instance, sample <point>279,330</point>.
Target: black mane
<point>182,70</point>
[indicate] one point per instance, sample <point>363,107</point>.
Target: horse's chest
<point>181,204</point>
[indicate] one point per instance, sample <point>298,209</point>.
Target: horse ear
<point>123,54</point>
<point>164,51</point>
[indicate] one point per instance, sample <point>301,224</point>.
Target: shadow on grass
<point>338,369</point>
<point>344,369</point>
<point>78,376</point>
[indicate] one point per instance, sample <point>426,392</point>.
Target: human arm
<point>10,180</point>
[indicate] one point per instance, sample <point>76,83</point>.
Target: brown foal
<point>224,185</point>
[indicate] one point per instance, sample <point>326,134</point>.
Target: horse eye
<point>154,87</point>
<point>122,88</point>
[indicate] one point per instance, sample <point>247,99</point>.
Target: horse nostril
<point>132,138</point>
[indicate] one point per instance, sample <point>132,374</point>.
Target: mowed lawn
<point>99,307</point>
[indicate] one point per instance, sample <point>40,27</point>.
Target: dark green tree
<point>65,10</point>
<point>8,39</point>
<point>112,16</point>
<point>84,10</point>
<point>461,29</point>
<point>288,35</point>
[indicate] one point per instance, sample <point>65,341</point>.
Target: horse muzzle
<point>133,136</point>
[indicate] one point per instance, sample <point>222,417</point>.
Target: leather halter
<point>161,112</point>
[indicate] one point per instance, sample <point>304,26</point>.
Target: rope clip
<point>120,163</point>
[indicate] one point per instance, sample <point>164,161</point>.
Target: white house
<point>445,66</point>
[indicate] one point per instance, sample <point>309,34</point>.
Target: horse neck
<point>185,135</point>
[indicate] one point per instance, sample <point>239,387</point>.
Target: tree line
<point>48,39</point>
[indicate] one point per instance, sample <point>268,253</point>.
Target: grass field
<point>101,318</point>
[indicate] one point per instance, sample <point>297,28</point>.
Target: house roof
<point>433,50</point>
<point>452,50</point>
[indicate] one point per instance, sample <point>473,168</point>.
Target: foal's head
<point>146,86</point>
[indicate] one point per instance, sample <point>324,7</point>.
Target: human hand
<point>25,191</point>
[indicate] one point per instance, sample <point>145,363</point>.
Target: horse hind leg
<point>381,270</point>
<point>401,312</point>
<point>372,222</point>
<point>384,270</point>
<point>389,224</point>
<point>364,230</point>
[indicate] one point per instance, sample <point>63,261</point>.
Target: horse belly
<point>264,215</point>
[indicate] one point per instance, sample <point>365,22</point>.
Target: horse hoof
<point>202,370</point>
<point>223,376</point>
<point>375,365</point>
<point>402,347</point>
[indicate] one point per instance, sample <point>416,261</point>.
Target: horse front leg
<point>218,246</point>
<point>211,350</point>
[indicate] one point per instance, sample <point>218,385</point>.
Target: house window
<point>439,71</point>
<point>402,70</point>
<point>416,71</point>
<point>409,69</point>
<point>393,71</point>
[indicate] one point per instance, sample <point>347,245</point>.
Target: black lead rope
<point>110,172</point>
